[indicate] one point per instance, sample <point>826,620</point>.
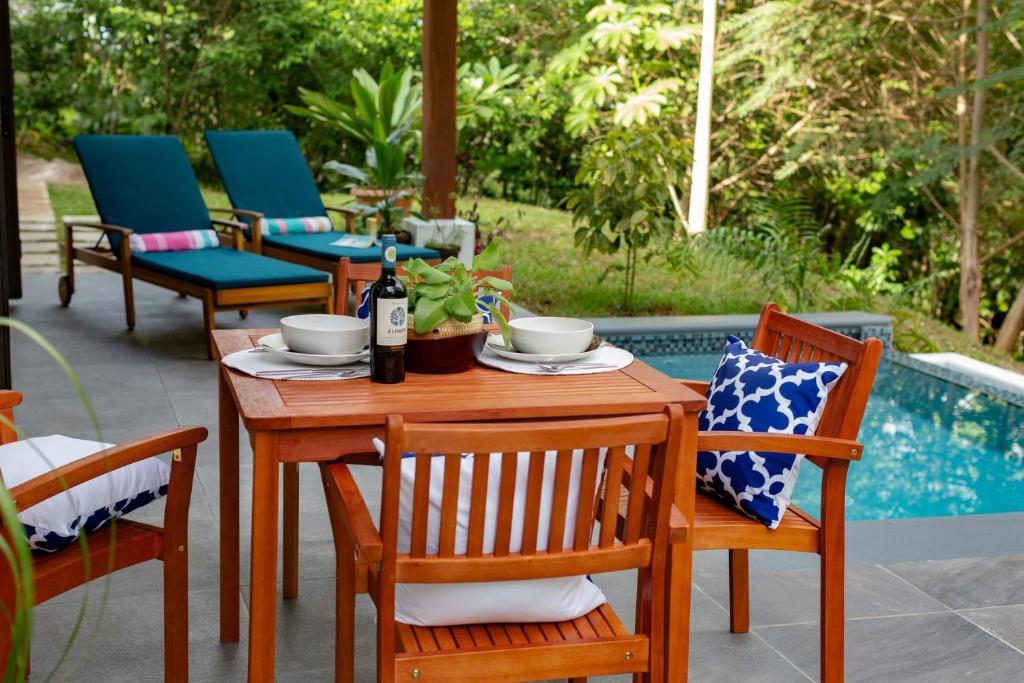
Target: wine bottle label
<point>390,255</point>
<point>391,322</point>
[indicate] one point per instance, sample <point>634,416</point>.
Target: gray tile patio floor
<point>927,600</point>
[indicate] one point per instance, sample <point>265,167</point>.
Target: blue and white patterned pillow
<point>363,310</point>
<point>752,392</point>
<point>58,521</point>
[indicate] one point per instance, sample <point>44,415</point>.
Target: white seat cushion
<point>58,521</point>
<point>537,600</point>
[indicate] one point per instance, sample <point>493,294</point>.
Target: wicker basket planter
<point>450,347</point>
<point>374,195</point>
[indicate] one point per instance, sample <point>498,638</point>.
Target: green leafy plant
<point>382,109</point>
<point>450,291</point>
<point>386,212</point>
<point>385,167</point>
<point>626,199</point>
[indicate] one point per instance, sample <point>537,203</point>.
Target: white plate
<point>274,343</point>
<point>497,345</point>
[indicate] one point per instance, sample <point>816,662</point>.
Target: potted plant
<point>381,119</point>
<point>446,304</point>
<point>447,237</point>
<point>385,217</point>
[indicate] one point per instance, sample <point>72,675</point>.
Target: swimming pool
<point>931,448</point>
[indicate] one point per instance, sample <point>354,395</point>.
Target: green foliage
<point>625,200</point>
<point>449,291</point>
<point>382,110</point>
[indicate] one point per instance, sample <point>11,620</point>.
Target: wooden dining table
<point>309,421</point>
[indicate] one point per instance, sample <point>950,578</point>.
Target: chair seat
<point>598,638</point>
<point>226,268</point>
<point>718,526</point>
<point>318,244</point>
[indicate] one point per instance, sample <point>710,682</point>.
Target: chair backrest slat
<point>587,500</point>
<point>506,501</point>
<point>559,502</point>
<point>420,506</point>
<point>798,341</point>
<point>637,484</point>
<point>478,504</point>
<point>539,500</point>
<point>531,515</point>
<point>449,503</point>
<point>613,483</point>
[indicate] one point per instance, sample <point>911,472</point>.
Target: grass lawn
<point>553,277</point>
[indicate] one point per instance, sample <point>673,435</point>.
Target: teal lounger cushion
<point>264,170</point>
<point>227,268</point>
<point>319,244</point>
<point>142,182</point>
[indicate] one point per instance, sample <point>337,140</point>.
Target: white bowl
<point>324,334</point>
<point>551,335</point>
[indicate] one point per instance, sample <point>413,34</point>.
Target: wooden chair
<point>145,184</point>
<point>834,446</point>
<point>352,278</point>
<point>120,544</point>
<point>595,644</point>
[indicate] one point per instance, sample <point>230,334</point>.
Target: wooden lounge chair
<point>120,544</point>
<point>266,175</point>
<point>594,644</point>
<point>834,446</point>
<point>145,184</point>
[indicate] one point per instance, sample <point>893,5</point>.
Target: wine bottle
<point>389,308</point>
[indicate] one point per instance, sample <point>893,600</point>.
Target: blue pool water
<point>931,448</point>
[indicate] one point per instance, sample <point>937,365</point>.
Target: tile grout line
<point>752,631</point>
<point>915,587</point>
<point>989,632</point>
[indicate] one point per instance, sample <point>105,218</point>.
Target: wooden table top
<point>478,394</point>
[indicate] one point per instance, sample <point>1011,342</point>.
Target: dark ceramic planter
<point>444,355</point>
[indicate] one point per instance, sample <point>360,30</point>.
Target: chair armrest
<point>237,231</point>
<point>822,446</point>
<point>9,399</point>
<point>699,387</point>
<point>244,213</point>
<point>350,215</point>
<point>92,225</point>
<point>255,235</point>
<point>356,517</point>
<point>47,485</point>
<point>234,225</point>
<point>342,210</point>
<point>678,526</point>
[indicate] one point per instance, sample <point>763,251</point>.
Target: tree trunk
<point>1013,324</point>
<point>970,271</point>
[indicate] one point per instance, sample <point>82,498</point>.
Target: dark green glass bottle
<point>389,312</point>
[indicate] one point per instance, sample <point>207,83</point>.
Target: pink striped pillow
<point>287,226</point>
<point>183,240</point>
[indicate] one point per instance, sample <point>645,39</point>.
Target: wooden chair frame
<point>834,446</point>
<point>635,532</point>
<point>122,543</point>
<point>238,298</point>
<point>352,278</point>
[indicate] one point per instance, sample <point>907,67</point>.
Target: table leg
<point>290,545</point>
<point>263,573</point>
<point>229,539</point>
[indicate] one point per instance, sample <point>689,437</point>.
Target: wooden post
<point>702,133</point>
<point>10,244</point>
<point>440,37</point>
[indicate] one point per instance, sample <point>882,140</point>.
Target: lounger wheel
<point>64,290</point>
<point>243,313</point>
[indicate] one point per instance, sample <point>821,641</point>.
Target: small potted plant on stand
<point>447,304</point>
